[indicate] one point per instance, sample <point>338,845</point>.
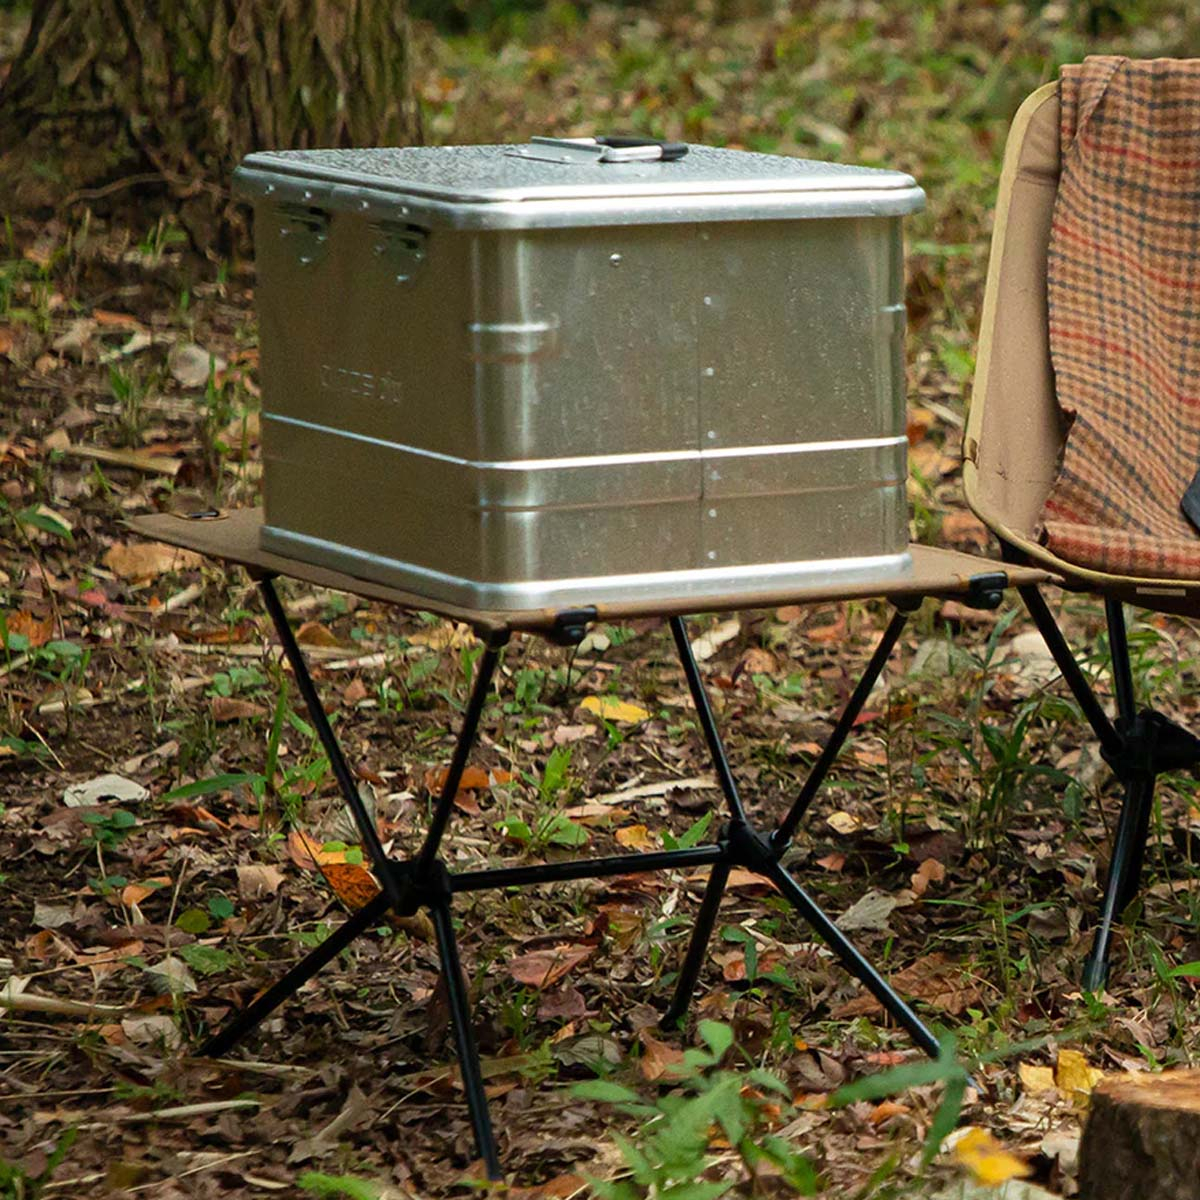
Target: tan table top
<point>232,536</point>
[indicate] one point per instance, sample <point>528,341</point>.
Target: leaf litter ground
<point>963,834</point>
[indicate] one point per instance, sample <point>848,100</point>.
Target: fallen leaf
<point>256,881</point>
<point>886,1111</point>
<point>308,854</point>
<point>39,630</point>
<point>352,883</point>
<point>939,982</point>
<point>148,1031</point>
<point>135,893</point>
<point>52,916</point>
<point>869,913</point>
<point>313,633</point>
<point>544,968</point>
<point>609,708</point>
<point>707,644</point>
<point>635,837</point>
<point>930,871</point>
<point>140,561</point>
<point>1036,1079</point>
<point>104,787</point>
<point>561,1187</point>
<point>230,708</point>
<point>171,975</point>
<point>59,439</point>
<point>354,692</point>
<point>565,734</point>
<point>987,1160</point>
<point>191,364</point>
<point>832,862</point>
<point>116,320</point>
<point>844,823</point>
<point>658,1058</point>
<point>1074,1078</point>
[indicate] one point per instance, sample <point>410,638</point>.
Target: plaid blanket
<point>1124,291</point>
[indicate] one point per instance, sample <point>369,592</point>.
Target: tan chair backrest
<point>1014,429</point>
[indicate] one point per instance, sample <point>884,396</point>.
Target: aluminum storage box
<point>515,382</point>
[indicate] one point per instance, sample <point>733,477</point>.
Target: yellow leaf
<point>636,837</point>
<point>987,1159</point>
<point>611,709</point>
<point>1036,1079</point>
<point>1074,1078</point>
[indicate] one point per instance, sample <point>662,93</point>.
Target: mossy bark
<point>191,86</point>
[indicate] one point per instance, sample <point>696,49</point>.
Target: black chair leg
<point>1123,874</point>
<point>464,1039</point>
<point>260,1008</point>
<point>852,960</point>
<point>693,961</point>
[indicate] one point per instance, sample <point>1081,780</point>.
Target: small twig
<point>181,1112</point>
<point>54,1005</point>
<point>49,750</point>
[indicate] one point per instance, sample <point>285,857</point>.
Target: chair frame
<point>1137,744</point>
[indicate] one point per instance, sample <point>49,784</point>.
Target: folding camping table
<point>423,880</point>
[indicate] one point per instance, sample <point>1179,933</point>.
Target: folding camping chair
<point>1012,447</point>
<point>423,880</point>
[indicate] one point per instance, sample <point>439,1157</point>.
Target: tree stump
<point>1142,1139</point>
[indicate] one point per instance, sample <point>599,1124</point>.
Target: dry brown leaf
<point>308,854</point>
<point>658,1058</point>
<point>39,630</point>
<point>116,320</point>
<point>135,893</point>
<point>930,871</point>
<point>939,982</point>
<point>313,633</point>
<point>229,708</point>
<point>256,881</point>
<point>886,1111</point>
<point>544,968</point>
<point>140,561</point>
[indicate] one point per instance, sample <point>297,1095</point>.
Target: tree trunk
<point>1142,1139</point>
<point>191,86</point>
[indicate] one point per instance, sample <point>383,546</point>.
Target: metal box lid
<point>510,187</point>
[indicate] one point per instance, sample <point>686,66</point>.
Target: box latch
<point>305,230</point>
<point>400,247</point>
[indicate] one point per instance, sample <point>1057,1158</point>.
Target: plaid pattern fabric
<point>1124,291</point>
